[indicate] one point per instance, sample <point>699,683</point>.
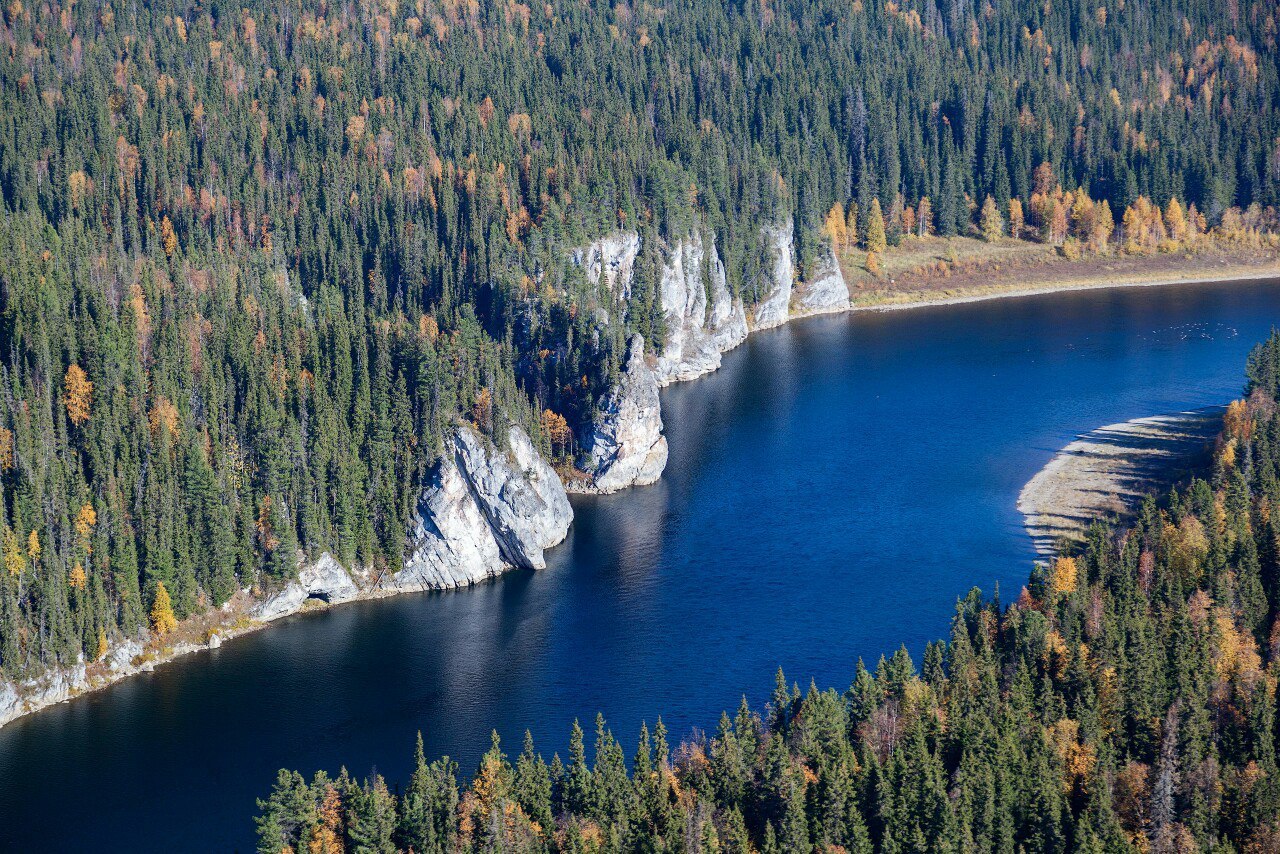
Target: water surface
<point>831,491</point>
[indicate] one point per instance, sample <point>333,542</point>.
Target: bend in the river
<point>831,491</point>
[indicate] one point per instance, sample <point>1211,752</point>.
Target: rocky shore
<point>1105,473</point>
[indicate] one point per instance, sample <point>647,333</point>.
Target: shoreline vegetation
<point>1124,701</point>
<point>938,271</point>
<point>209,629</point>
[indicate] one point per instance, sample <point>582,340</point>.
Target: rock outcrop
<point>697,333</point>
<point>485,511</point>
<point>626,446</point>
<point>826,291</point>
<point>53,687</point>
<point>324,580</point>
<point>775,308</point>
<point>610,261</point>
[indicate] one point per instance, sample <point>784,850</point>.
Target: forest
<point>1124,701</point>
<point>260,259</point>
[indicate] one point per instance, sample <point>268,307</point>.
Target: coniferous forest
<point>259,259</point>
<point>1125,701</point>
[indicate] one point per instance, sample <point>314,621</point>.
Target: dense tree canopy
<point>259,257</point>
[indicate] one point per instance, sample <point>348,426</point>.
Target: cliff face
<point>626,447</point>
<point>775,308</point>
<point>53,687</point>
<point>325,580</point>
<point>519,494</point>
<point>610,261</point>
<point>485,511</point>
<point>696,336</point>
<point>826,291</point>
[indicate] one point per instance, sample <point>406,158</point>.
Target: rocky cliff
<point>775,308</point>
<point>698,330</point>
<point>610,261</point>
<point>324,580</point>
<point>825,291</point>
<point>485,510</point>
<point>626,446</point>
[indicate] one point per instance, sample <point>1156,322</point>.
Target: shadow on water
<point>831,491</point>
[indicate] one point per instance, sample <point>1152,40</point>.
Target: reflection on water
<point>829,494</point>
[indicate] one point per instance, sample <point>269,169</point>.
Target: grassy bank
<point>934,270</point>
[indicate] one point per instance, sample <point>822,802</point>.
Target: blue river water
<point>831,491</point>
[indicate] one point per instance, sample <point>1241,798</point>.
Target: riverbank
<point>1105,473</point>
<point>935,271</point>
<point>212,628</point>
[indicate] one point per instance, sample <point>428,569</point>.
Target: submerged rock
<point>774,309</point>
<point>626,446</point>
<point>484,511</point>
<point>325,580</point>
<point>696,336</point>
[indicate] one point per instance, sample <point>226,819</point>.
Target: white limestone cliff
<point>697,333</point>
<point>55,686</point>
<point>626,446</point>
<point>775,308</point>
<point>485,511</point>
<point>611,261</point>
<point>826,291</point>
<point>324,580</point>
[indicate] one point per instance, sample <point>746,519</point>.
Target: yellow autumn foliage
<point>163,620</point>
<point>1063,575</point>
<point>78,394</point>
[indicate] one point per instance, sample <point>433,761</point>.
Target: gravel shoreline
<point>1105,473</point>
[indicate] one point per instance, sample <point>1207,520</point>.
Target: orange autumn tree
<point>78,394</point>
<point>328,834</point>
<point>556,429</point>
<point>86,519</point>
<point>168,239</point>
<point>992,224</point>
<point>1063,575</point>
<point>836,227</point>
<point>14,559</point>
<point>1017,220</point>
<point>77,579</point>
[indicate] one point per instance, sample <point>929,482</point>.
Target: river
<point>831,491</point>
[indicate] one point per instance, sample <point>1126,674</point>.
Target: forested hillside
<point>258,258</point>
<point>1125,701</point>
